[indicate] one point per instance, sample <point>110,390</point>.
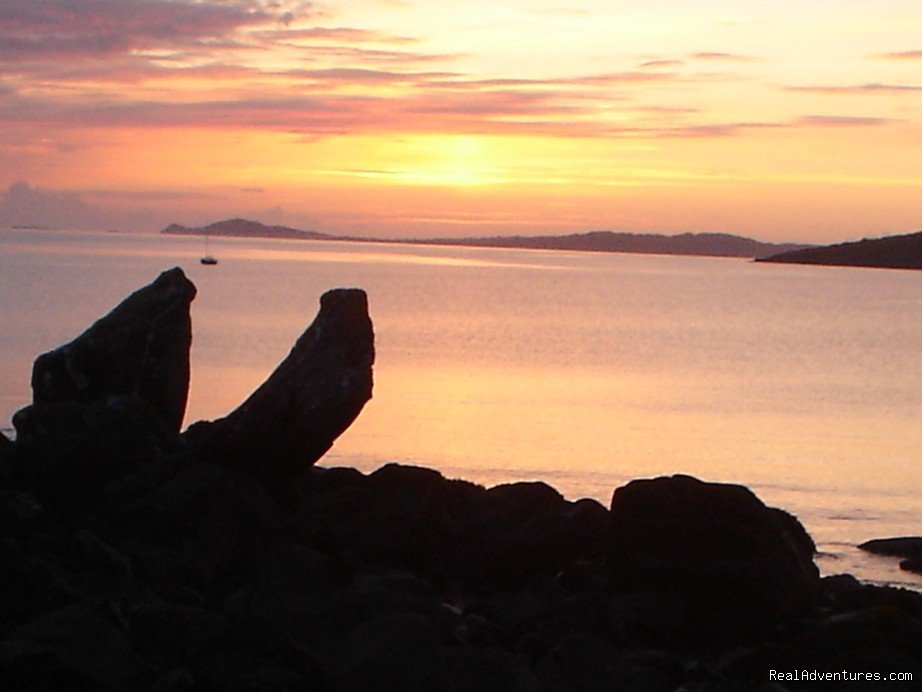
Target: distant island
<point>698,244</point>
<point>244,228</point>
<point>890,252</point>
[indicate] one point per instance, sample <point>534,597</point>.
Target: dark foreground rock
<point>290,421</point>
<point>908,547</point>
<point>131,558</point>
<point>714,547</point>
<point>140,349</point>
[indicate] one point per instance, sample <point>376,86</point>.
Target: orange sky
<point>788,121</point>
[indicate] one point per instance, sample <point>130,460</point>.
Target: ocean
<point>584,370</point>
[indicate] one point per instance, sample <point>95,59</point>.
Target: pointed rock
<point>139,349</point>
<point>293,418</point>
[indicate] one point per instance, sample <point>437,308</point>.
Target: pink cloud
<point>857,88</point>
<point>54,29</point>
<point>902,55</point>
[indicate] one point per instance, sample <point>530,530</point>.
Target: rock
<point>840,639</point>
<point>907,546</point>
<point>204,527</point>
<point>541,626</point>
<point>398,652</point>
<point>424,493</point>
<point>489,669</point>
<point>912,564</point>
<point>32,584</point>
<point>141,349</point>
<point>18,509</point>
<point>403,517</point>
<point>791,526</point>
<point>100,554</point>
<point>293,418</point>
<point>7,461</point>
<point>172,632</point>
<point>751,663</point>
<point>71,648</point>
<point>716,547</point>
<point>69,451</point>
<point>240,671</point>
<point>581,663</point>
<point>523,531</point>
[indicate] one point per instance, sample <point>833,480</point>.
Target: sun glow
<point>644,120</point>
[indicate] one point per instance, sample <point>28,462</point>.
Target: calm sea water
<point>583,370</point>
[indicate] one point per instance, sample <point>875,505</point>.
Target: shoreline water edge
<point>138,556</point>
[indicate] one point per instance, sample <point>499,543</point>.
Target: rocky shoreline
<point>137,556</point>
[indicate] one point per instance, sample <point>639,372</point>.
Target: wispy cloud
<point>657,64</point>
<point>53,29</point>
<point>841,121</point>
<point>872,88</point>
<point>339,34</point>
<point>724,57</point>
<point>902,55</point>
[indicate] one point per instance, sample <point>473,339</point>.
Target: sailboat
<point>207,258</point>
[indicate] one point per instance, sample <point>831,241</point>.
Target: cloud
<point>872,88</point>
<point>902,55</point>
<point>340,34</point>
<point>46,30</point>
<point>724,57</point>
<point>841,121</point>
<point>656,64</point>
<point>375,56</point>
<point>23,205</point>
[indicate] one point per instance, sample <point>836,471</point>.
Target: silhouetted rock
<point>714,546</point>
<point>71,648</point>
<point>293,418</point>
<point>489,669</point>
<point>7,463</point>
<point>912,564</point>
<point>202,528</point>
<point>141,349</point>
<point>909,547</point>
<point>906,546</point>
<point>522,531</point>
<point>398,652</point>
<point>68,451</point>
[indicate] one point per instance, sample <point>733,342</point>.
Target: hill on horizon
<point>244,228</point>
<point>695,244</point>
<point>888,252</point>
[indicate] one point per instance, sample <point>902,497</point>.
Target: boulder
<point>489,669</point>
<point>730,565</point>
<point>397,652</point>
<point>7,463</point>
<point>293,418</point>
<point>912,564</point>
<point>905,546</point>
<point>520,532</point>
<point>72,648</point>
<point>141,349</point>
<point>67,452</point>
<point>204,527</point>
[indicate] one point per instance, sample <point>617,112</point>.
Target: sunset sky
<point>787,120</point>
